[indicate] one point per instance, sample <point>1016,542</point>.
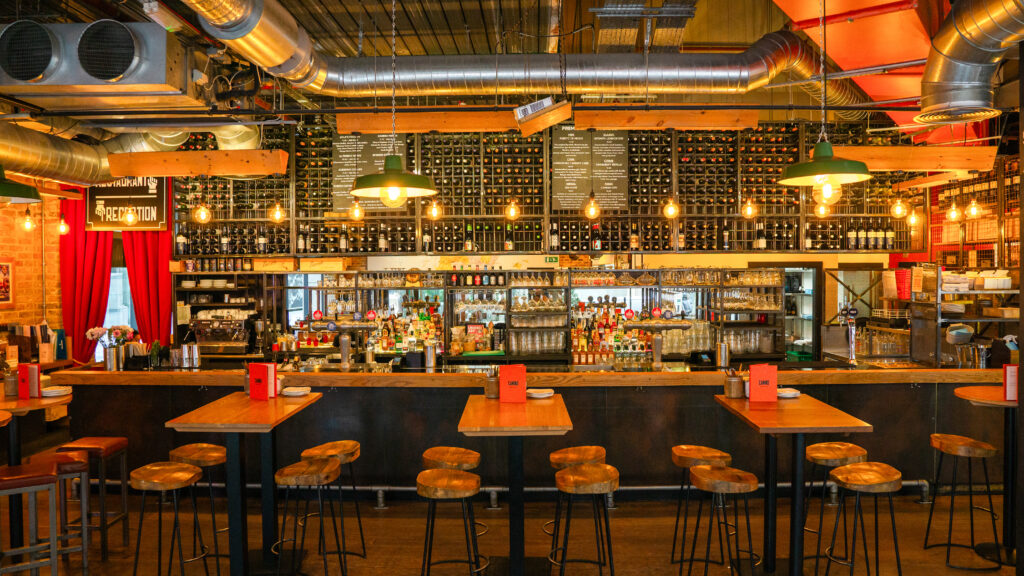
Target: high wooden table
<point>796,417</point>
<point>235,415</point>
<point>17,408</point>
<point>489,417</point>
<point>992,397</point>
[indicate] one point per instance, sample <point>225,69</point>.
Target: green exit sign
<point>548,259</point>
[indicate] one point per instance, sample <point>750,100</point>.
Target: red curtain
<point>147,255</point>
<point>84,278</point>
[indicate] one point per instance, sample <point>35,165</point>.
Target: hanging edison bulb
<point>277,213</point>
<point>63,227</point>
<point>28,223</point>
<point>912,218</point>
<point>822,210</point>
<point>953,214</point>
<point>355,211</point>
<point>592,210</point>
<point>973,210</point>
<point>898,209</point>
<point>201,214</point>
<point>512,211</point>
<point>434,210</point>
<point>393,196</point>
<point>130,217</point>
<point>749,209</point>
<point>827,193</point>
<point>671,209</point>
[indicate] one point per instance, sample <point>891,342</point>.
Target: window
<point>120,311</point>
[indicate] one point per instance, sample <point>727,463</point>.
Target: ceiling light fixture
<point>63,227</point>
<point>749,209</point>
<point>27,222</point>
<point>512,210</point>
<point>355,211</point>
<point>434,211</point>
<point>592,210</point>
<point>822,210</point>
<point>277,213</point>
<point>201,214</point>
<point>898,209</point>
<point>671,209</point>
<point>953,214</point>
<point>12,192</point>
<point>973,209</point>
<point>130,217</point>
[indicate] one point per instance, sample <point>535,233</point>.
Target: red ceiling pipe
<point>855,14</point>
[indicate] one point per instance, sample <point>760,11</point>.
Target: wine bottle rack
<point>765,152</point>
<point>453,161</point>
<point>513,169</point>
<point>313,153</point>
<point>649,156</point>
<point>706,234</point>
<point>707,164</point>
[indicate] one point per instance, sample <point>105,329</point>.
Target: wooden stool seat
<point>833,454</point>
<point>27,475</point>
<point>165,476</point>
<point>450,457</point>
<point>100,446</point>
<point>5,417</point>
<point>447,484</point>
<point>962,446</point>
<point>344,451</point>
<point>587,479</point>
<point>722,479</point>
<point>200,454</point>
<point>312,472</point>
<point>872,477</point>
<point>576,455</point>
<point>687,456</point>
<point>66,462</point>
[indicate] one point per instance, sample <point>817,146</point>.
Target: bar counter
<point>638,417</point>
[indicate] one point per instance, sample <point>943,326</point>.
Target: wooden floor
<point>642,535</point>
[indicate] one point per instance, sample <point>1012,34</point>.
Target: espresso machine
<point>222,336</point>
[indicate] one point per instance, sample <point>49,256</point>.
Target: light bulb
<point>277,213</point>
<point>28,223</point>
<point>953,214</point>
<point>355,211</point>
<point>201,214</point>
<point>912,218</point>
<point>749,209</point>
<point>827,193</point>
<point>63,226</point>
<point>898,209</point>
<point>671,209</point>
<point>393,196</point>
<point>434,211</point>
<point>130,217</point>
<point>592,210</point>
<point>512,210</point>
<point>973,210</point>
<point>822,210</point>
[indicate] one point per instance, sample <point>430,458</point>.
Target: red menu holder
<point>28,381</point>
<point>512,383</point>
<point>262,381</point>
<point>1010,382</point>
<point>764,383</point>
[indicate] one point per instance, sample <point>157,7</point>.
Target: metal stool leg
<point>693,545</point>
<point>84,521</point>
<point>556,525</point>
<point>284,524</point>
<point>124,497</point>
<point>608,536</point>
<point>428,539</point>
<point>841,511</point>
<point>565,537</point>
<point>198,533</point>
<point>599,537</point>
<point>213,523</point>
<point>895,540</point>
<point>931,508</point>
<point>323,539</point>
<point>468,528</point>
<point>476,547</point>
<point>342,561</point>
<point>991,509</point>
<point>682,508</point>
<point>359,517</point>
<point>103,509</point>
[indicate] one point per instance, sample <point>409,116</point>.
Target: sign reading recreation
<point>584,161</point>
<point>355,155</point>
<point>107,203</point>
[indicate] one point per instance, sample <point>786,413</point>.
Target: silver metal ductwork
<point>957,82</point>
<point>265,33</point>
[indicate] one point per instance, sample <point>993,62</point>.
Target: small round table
<point>5,418</point>
<point>992,397</point>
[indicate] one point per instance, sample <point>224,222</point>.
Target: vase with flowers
<point>113,340</point>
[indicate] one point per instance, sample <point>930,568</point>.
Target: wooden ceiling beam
<point>444,119</point>
<point>921,158</point>
<point>199,163</point>
<point>930,181</point>
<point>644,118</point>
<point>45,187</point>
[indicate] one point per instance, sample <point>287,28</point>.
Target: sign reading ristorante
<point>107,203</point>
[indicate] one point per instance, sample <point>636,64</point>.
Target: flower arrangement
<point>113,336</point>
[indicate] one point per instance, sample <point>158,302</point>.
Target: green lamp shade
<point>823,168</point>
<point>16,192</point>
<point>373,185</point>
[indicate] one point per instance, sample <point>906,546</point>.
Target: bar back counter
<point>638,417</point>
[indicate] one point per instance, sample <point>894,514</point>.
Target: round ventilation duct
<point>27,51</point>
<point>107,50</point>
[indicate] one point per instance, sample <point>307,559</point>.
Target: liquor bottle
<point>760,241</point>
<point>261,241</point>
<point>890,237</point>
<point>476,277</point>
<point>501,277</point>
<point>343,239</point>
<point>485,279</point>
<point>426,241</point>
<point>468,279</point>
<point>300,243</point>
<point>553,237</point>
<point>595,237</point>
<point>634,237</point>
<point>862,237</point>
<point>809,241</point>
<point>726,235</point>
<point>453,279</point>
<point>851,237</point>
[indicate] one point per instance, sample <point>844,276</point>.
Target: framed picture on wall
<point>6,285</point>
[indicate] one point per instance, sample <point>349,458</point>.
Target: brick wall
<point>27,252</point>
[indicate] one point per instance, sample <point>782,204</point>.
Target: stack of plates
<point>56,391</point>
<point>188,283</point>
<point>537,393</point>
<point>788,393</point>
<point>206,283</point>
<point>220,283</point>
<point>295,391</point>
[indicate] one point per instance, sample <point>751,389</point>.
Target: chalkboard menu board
<point>355,155</point>
<point>107,203</point>
<point>583,162</point>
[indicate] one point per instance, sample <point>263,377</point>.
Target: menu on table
<point>355,155</point>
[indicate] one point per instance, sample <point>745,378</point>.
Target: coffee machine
<point>223,336</point>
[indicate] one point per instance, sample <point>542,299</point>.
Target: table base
<point>995,553</point>
<point>781,567</point>
<point>499,566</point>
<point>258,568</point>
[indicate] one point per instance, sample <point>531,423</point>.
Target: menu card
<point>28,381</point>
<point>583,162</point>
<point>512,383</point>
<point>764,383</point>
<point>1010,382</point>
<point>262,380</point>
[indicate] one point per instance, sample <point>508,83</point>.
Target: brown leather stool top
<point>344,451</point>
<point>576,455</point>
<point>962,446</point>
<point>450,457</point>
<point>447,484</point>
<point>74,462</point>
<point>101,446</point>
<point>199,454</point>
<point>27,475</point>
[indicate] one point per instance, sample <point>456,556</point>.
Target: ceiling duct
<point>957,81</point>
<point>668,30</point>
<point>263,32</point>
<point>616,31</point>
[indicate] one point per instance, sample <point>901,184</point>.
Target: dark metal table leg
<point>14,459</point>
<point>771,480</point>
<point>268,496</point>
<point>796,509</point>
<point>1004,552</point>
<point>238,536</point>
<point>516,513</point>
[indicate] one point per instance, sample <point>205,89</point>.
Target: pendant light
<point>822,210</point>
<point>912,218</point>
<point>825,171</point>
<point>277,213</point>
<point>63,227</point>
<point>130,217</point>
<point>394,185</point>
<point>12,192</point>
<point>898,209</point>
<point>355,211</point>
<point>671,209</point>
<point>973,210</point>
<point>434,210</point>
<point>592,210</point>
<point>953,214</point>
<point>201,214</point>
<point>27,223</point>
<point>512,210</point>
<point>749,209</point>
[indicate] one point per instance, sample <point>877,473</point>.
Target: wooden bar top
<point>19,407</point>
<point>800,415</point>
<point>237,413</point>
<point>490,417</point>
<point>236,378</point>
<point>984,396</point>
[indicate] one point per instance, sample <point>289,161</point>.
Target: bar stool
<point>345,452</point>
<point>447,484</point>
<point>101,450</point>
<point>827,455</point>
<point>572,456</point>
<point>686,456</point>
<point>31,479</point>
<point>872,478</point>
<point>315,473</point>
<point>720,482</point>
<point>450,458</point>
<point>204,456</point>
<point>69,466</point>
<point>962,447</point>
<point>164,477</point>
<point>597,480</point>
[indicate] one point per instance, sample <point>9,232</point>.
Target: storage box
<point>273,264</point>
<point>1009,312</point>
